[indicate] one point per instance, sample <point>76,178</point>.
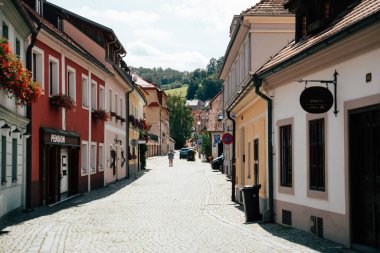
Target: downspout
<point>127,124</point>
<point>257,82</point>
<point>233,176</point>
<point>29,127</point>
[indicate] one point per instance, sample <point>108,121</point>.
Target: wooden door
<point>364,139</point>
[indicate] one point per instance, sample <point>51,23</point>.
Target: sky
<point>178,34</point>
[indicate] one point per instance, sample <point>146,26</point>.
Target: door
<point>364,139</point>
<point>242,160</point>
<point>64,171</point>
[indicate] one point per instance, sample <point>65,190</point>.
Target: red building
<point>67,154</point>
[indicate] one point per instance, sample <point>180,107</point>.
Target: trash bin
<point>251,202</point>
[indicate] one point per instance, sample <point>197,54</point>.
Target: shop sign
<point>316,100</point>
<point>54,138</point>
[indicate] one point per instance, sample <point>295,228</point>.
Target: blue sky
<point>180,34</point>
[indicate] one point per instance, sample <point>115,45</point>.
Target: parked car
<point>183,152</point>
<point>217,162</point>
<point>191,155</point>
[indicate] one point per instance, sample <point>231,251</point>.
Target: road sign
<point>134,142</point>
<point>227,138</point>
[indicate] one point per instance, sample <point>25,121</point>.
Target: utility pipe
<point>29,127</point>
<point>233,176</point>
<point>127,123</point>
<point>257,82</point>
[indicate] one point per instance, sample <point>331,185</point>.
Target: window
<point>84,158</point>
<point>53,76</point>
<point>39,7</point>
<point>3,159</point>
<point>38,66</point>
<point>94,93</point>
<point>101,157</point>
<point>18,48</point>
<point>110,102</point>
<point>85,91</point>
<point>14,159</point>
<point>101,98</point>
<point>249,159</point>
<point>5,31</point>
<point>317,154</point>
<point>93,158</point>
<point>116,109</point>
<point>71,83</point>
<point>285,151</point>
<point>121,107</point>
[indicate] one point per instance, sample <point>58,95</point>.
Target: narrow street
<point>185,208</point>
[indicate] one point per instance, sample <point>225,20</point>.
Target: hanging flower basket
<point>15,80</point>
<point>100,114</point>
<point>60,101</point>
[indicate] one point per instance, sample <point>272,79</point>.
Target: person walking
<point>171,157</point>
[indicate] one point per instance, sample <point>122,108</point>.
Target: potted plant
<point>60,101</point>
<point>15,80</point>
<point>100,114</point>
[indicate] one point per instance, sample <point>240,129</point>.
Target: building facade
<point>16,28</point>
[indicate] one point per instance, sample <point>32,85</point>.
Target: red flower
<point>61,101</point>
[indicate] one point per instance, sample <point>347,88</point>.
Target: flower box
<point>113,114</point>
<point>100,114</point>
<point>118,117</point>
<point>15,80</point>
<point>60,101</point>
<point>123,120</point>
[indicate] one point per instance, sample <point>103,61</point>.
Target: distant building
<point>195,104</point>
<point>214,124</point>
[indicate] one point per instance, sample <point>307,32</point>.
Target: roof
<point>267,8</point>
<point>144,83</point>
<point>295,51</point>
<point>64,38</point>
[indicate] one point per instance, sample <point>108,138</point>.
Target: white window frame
<point>110,100</point>
<point>121,107</point>
<point>55,86</point>
<point>94,97</point>
<point>101,157</point>
<point>40,78</point>
<point>116,107</point>
<point>93,158</point>
<point>74,83</point>
<point>102,97</point>
<point>85,105</point>
<point>84,162</point>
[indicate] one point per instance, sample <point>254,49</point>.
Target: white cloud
<point>109,16</point>
<point>151,35</point>
<point>216,14</point>
<point>142,54</point>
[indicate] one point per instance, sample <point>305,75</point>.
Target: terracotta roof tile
<point>62,35</point>
<point>144,83</point>
<point>267,7</point>
<point>363,10</point>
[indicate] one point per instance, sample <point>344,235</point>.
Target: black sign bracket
<point>327,82</point>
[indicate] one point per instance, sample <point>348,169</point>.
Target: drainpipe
<point>127,123</point>
<point>257,83</point>
<point>29,127</point>
<point>233,176</point>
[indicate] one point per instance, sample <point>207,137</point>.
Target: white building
<point>16,28</point>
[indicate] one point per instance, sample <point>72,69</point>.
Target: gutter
<point>257,82</point>
<point>29,127</point>
<point>233,176</point>
<point>127,123</point>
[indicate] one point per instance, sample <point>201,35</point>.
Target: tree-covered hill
<point>202,84</point>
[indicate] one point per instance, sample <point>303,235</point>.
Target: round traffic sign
<point>227,138</point>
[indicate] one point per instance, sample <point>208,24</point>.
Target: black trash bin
<point>251,203</point>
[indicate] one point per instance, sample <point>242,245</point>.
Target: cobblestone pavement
<point>185,208</point>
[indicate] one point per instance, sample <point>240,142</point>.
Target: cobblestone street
<point>185,208</point>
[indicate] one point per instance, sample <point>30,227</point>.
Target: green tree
<point>206,145</point>
<point>209,88</point>
<point>192,90</point>
<point>180,119</point>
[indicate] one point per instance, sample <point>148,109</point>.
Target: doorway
<point>364,163</point>
<point>64,172</point>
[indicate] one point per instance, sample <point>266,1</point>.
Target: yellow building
<point>256,35</point>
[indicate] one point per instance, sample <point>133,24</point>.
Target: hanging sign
<point>316,99</point>
<point>227,138</point>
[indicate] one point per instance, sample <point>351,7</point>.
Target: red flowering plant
<point>100,114</point>
<point>61,101</point>
<point>15,80</point>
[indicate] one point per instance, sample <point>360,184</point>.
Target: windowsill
<point>317,194</point>
<point>286,189</point>
<point>85,107</point>
<point>3,182</point>
<point>14,180</point>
